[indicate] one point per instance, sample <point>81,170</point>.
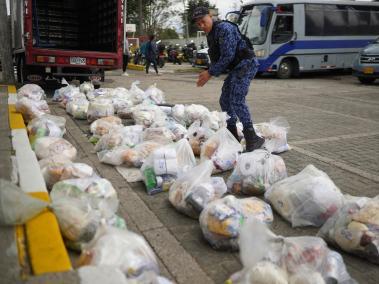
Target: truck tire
<point>366,80</point>
<point>286,69</point>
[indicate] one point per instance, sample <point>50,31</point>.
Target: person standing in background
<point>126,56</point>
<point>151,54</point>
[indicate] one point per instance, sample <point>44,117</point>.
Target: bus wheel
<point>365,80</point>
<point>286,69</point>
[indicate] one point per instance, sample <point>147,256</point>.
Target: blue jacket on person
<point>151,50</point>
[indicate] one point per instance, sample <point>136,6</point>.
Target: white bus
<point>297,36</point>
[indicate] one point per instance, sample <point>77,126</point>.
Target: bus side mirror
<point>232,16</point>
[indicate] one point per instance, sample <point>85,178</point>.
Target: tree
<point>192,4</point>
<point>5,45</point>
<point>167,33</point>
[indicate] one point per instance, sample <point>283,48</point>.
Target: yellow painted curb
<point>15,119</point>
<point>11,89</point>
<point>136,67</point>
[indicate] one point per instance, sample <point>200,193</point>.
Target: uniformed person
<point>230,51</point>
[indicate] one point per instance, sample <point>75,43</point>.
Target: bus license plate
<point>368,70</point>
<point>77,61</point>
<point>199,61</point>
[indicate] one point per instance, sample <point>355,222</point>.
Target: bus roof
<point>276,2</point>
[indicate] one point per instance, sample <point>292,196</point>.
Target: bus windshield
<point>255,21</point>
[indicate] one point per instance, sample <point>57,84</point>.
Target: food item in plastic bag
<point>114,157</point>
<point>138,95</point>
<point>102,126</point>
<point>64,94</point>
<point>73,96</point>
<point>31,109</point>
<point>78,108</point>
<point>178,130</point>
<point>197,134</point>
<point>31,91</point>
<point>221,219</point>
<point>306,199</point>
<point>90,274</point>
<point>49,146</point>
<point>146,115</point>
<point>46,125</point>
<point>86,87</point>
<point>165,164</point>
<point>275,134</point>
<point>134,157</point>
<point>223,149</point>
<point>255,172</point>
<point>61,170</point>
<point>122,249</point>
<point>161,135</point>
<point>215,120</point>
<point>282,260</point>
<point>124,136</point>
<point>195,112</point>
<point>99,108</point>
<point>178,112</point>
<point>154,94</point>
<point>99,191</point>
<point>191,192</point>
<point>126,112</point>
<point>121,104</point>
<point>355,228</point>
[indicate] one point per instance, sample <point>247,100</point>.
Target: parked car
<point>366,64</point>
<point>201,58</point>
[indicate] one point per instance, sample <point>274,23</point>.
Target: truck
<point>52,39</point>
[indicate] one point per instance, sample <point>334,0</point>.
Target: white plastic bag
<point>99,191</point>
<point>215,120</point>
<point>221,220</point>
<point>78,108</point>
<point>147,114</point>
<point>275,134</point>
<point>49,146</point>
<point>46,125</point>
<point>165,164</point>
<point>198,133</point>
<point>122,249</point>
<point>223,149</point>
<point>138,95</point>
<point>65,93</point>
<point>31,91</point>
<point>31,109</point>
<point>178,112</point>
<point>195,112</point>
<point>90,274</point>
<point>86,87</point>
<point>125,136</point>
<point>155,94</point>
<point>255,172</point>
<point>179,131</point>
<point>355,228</point>
<point>74,94</point>
<point>99,108</point>
<point>161,135</point>
<point>194,190</point>
<point>102,126</point>
<point>281,260</point>
<point>306,199</point>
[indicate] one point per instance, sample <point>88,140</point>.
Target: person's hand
<point>203,78</point>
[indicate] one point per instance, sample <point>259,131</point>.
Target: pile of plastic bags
<point>255,172</point>
<point>286,260</point>
<point>306,199</point>
<point>221,220</point>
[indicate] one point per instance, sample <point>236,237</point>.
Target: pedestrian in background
<point>151,54</point>
<point>231,51</point>
<point>126,56</point>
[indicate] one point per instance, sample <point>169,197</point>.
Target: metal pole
<point>186,21</point>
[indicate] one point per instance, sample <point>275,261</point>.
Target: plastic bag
<point>165,164</point>
<point>281,260</point>
<point>355,228</point>
<point>179,131</point>
<point>103,125</point>
<point>146,115</point>
<point>275,134</point>
<point>101,274</point>
<point>125,136</point>
<point>194,190</point>
<point>92,95</point>
<point>46,125</point>
<point>122,249</point>
<point>223,149</point>
<point>31,109</point>
<point>99,191</point>
<point>255,172</point>
<point>71,96</point>
<point>99,108</point>
<point>178,112</point>
<point>195,112</point>
<point>138,95</point>
<point>126,112</point>
<point>58,171</point>
<point>17,207</point>
<point>155,94</point>
<point>306,199</point>
<point>221,220</point>
<point>162,135</point>
<point>31,91</point>
<point>86,87</point>
<point>65,93</point>
<point>49,146</point>
<point>215,120</point>
<point>78,108</point>
<point>198,134</point>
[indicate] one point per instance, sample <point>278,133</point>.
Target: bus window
<point>283,29</point>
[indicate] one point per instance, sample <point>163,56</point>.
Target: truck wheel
<point>286,69</point>
<point>366,80</point>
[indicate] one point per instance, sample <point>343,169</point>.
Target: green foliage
<point>167,33</point>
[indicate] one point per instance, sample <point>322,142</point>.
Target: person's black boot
<point>233,129</point>
<point>253,141</point>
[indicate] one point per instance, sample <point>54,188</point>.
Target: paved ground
<point>334,125</point>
